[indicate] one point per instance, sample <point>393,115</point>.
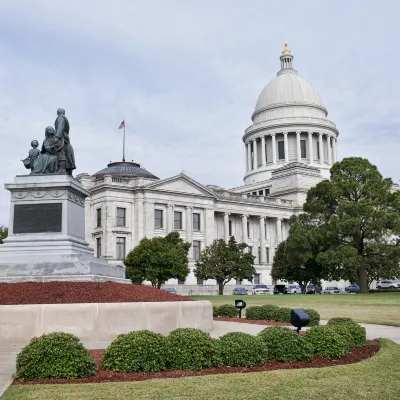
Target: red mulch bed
<point>252,321</point>
<point>81,292</point>
<point>371,347</point>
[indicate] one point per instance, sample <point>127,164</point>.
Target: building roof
<point>125,169</point>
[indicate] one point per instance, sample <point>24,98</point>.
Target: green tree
<point>3,233</point>
<point>225,261</point>
<point>158,259</point>
<point>359,213</point>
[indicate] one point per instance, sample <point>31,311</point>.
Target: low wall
<point>100,322</point>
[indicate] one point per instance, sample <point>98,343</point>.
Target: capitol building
<point>289,147</point>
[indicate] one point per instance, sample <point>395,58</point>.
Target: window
<point>239,281</point>
<point>318,155</point>
<point>254,193</point>
<point>98,247</point>
<point>121,248</point>
<point>196,250</point>
<point>230,228</point>
<point>121,216</point>
<point>267,255</point>
<point>281,150</point>
<point>177,220</point>
<point>248,229</point>
<point>196,221</point>
<point>181,282</point>
<point>303,151</point>
<point>250,249</point>
<point>158,219</point>
<point>267,191</point>
<point>200,281</point>
<point>261,192</point>
<point>256,279</point>
<point>98,217</point>
<point>259,256</point>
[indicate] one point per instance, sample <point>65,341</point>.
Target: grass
<point>376,378</point>
<point>377,308</point>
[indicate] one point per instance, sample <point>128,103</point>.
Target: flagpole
<point>123,147</point>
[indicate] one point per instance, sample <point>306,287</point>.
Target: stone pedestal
<point>46,234</point>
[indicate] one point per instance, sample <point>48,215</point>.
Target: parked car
<point>293,289</point>
<point>170,290</point>
<point>239,291</point>
<point>260,289</point>
<point>387,284</point>
<point>352,289</point>
<point>310,289</point>
<point>332,290</point>
<point>280,289</point>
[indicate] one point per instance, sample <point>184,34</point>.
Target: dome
<point>125,169</point>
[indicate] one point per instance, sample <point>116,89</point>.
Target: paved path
<point>8,353</point>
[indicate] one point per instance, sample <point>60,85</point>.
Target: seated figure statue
<point>47,162</point>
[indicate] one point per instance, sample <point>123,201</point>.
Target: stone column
<point>226,227</point>
<point>273,136</point>
<point>262,241</point>
<point>189,229</point>
<point>263,155</point>
<point>310,148</point>
<point>298,146</point>
<point>278,230</point>
<point>321,149</point>
<point>334,149</point>
<point>328,143</point>
<point>249,157</point>
<point>244,228</point>
<point>286,145</point>
<point>255,160</point>
<point>170,218</point>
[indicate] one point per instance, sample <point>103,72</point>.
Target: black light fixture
<point>299,319</point>
<point>240,305</point>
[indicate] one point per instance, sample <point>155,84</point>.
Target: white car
<point>293,289</point>
<point>332,290</point>
<point>388,284</point>
<point>260,289</point>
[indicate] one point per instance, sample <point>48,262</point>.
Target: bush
<point>143,351</point>
<point>254,313</point>
<point>190,349</point>
<point>285,345</point>
<point>354,334</point>
<point>340,320</point>
<point>237,349</point>
<point>314,316</point>
<point>226,310</point>
<point>268,312</point>
<point>327,342</point>
<point>282,314</point>
<point>215,311</point>
<point>56,355</point>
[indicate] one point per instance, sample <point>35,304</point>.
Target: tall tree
<point>225,261</point>
<point>3,233</point>
<point>360,214</point>
<point>158,259</point>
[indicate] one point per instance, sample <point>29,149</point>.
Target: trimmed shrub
<point>189,349</point>
<point>355,334</point>
<point>143,351</point>
<point>238,349</point>
<point>314,316</point>
<point>254,312</point>
<point>285,345</point>
<point>56,355</point>
<point>268,312</point>
<point>341,320</point>
<point>327,342</point>
<point>226,310</point>
<point>215,311</point>
<point>282,314</point>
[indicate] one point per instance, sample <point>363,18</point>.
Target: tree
<point>3,233</point>
<point>158,259</point>
<point>359,213</point>
<point>225,261</point>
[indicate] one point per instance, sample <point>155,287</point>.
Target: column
<point>328,143</point>
<point>273,148</point>
<point>298,146</point>
<point>286,145</point>
<point>189,229</point>
<point>249,156</point>
<point>170,218</point>
<point>310,148</point>
<point>255,161</point>
<point>334,149</point>
<point>263,155</point>
<point>226,227</point>
<point>321,149</point>
<point>263,258</point>
<point>278,230</point>
<point>244,228</point>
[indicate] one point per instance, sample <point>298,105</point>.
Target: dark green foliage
<point>314,316</point>
<point>285,345</point>
<point>239,349</point>
<point>143,351</point>
<point>226,310</point>
<point>254,313</point>
<point>353,333</point>
<point>340,320</point>
<point>190,349</point>
<point>56,355</point>
<point>327,342</point>
<point>215,309</point>
<point>268,312</point>
<point>3,233</point>
<point>282,314</point>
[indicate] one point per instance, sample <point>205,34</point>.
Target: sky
<point>186,75</point>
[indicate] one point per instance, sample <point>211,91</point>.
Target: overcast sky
<point>186,75</point>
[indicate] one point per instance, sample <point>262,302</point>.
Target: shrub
<point>215,311</point>
<point>327,342</point>
<point>340,320</point>
<point>136,351</point>
<point>285,345</point>
<point>189,349</point>
<point>56,355</point>
<point>237,349</point>
<point>314,316</point>
<point>268,312</point>
<point>254,312</point>
<point>226,310</point>
<point>282,314</point>
<point>353,333</point>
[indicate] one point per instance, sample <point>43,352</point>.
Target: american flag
<point>122,125</point>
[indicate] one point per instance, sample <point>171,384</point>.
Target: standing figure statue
<point>65,152</point>
<point>32,156</point>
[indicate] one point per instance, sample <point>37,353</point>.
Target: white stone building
<point>289,148</point>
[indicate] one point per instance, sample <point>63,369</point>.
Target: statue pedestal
<point>46,234</point>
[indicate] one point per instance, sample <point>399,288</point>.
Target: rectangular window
<point>267,191</point>
<point>267,255</point>
<point>98,247</point>
<point>259,255</point>
<point>261,192</point>
<point>181,282</point>
<point>177,220</point>
<point>281,150</point>
<point>121,216</point>
<point>158,219</point>
<point>303,151</point>
<point>230,228</point>
<point>98,217</point>
<point>121,248</point>
<point>196,250</point>
<point>196,221</point>
<point>200,281</point>
<point>250,249</point>
<point>318,155</point>
<point>256,279</point>
<point>248,229</point>
<point>254,193</point>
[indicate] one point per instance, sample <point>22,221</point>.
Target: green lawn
<point>376,378</point>
<point>376,308</point>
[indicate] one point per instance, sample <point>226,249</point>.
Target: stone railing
<point>252,198</point>
<point>116,179</point>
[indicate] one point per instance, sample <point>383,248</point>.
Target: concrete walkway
<point>8,354</point>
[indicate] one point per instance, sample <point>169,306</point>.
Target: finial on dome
<point>286,50</point>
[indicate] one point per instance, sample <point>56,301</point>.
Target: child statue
<point>32,156</point>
